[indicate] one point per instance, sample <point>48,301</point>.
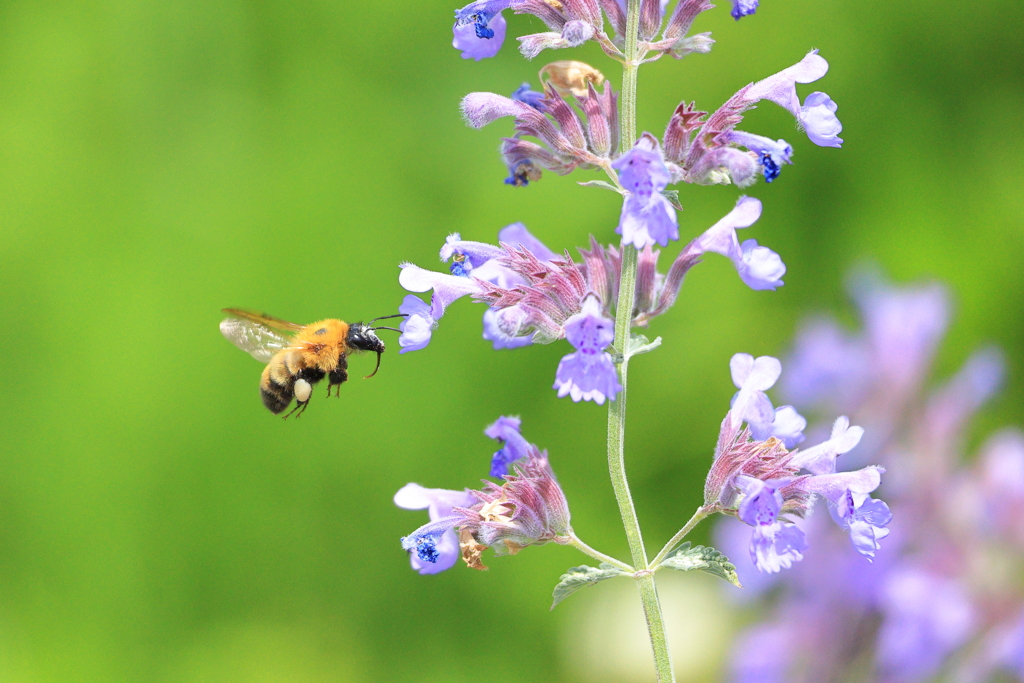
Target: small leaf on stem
<point>581,577</point>
<point>684,559</point>
<point>638,344</point>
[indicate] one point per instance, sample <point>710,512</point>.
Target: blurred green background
<point>162,160</point>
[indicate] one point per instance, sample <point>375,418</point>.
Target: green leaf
<point>601,183</point>
<point>673,198</point>
<point>684,558</point>
<point>638,344</point>
<point>581,577</point>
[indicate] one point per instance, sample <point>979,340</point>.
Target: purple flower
<point>828,365</point>
<point>865,518</point>
<point>418,325</point>
<point>480,29</point>
<point>774,545</point>
<point>821,459</point>
<point>513,446</point>
<point>753,377</point>
<point>780,88</point>
<point>771,153</point>
<point>759,267</point>
<point>788,426</point>
<point>818,117</point>
<point>530,97</point>
<point>528,509</point>
<point>902,325</point>
<point>647,216</point>
<point>589,373</point>
<point>926,618</point>
<point>502,327</point>
<point>701,147</point>
<point>741,8</point>
<point>433,547</point>
<point>447,288</point>
<point>473,265</point>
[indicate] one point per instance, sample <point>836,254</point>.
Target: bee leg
<point>337,377</point>
<point>300,406</point>
<point>303,389</point>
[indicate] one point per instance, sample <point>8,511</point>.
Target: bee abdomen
<point>276,389</point>
<point>275,396</point>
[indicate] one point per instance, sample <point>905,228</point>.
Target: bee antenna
<point>376,368</point>
<point>385,317</point>
<point>393,329</point>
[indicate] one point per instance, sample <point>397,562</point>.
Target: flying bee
<point>299,356</point>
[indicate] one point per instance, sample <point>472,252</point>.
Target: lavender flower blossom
<point>433,547</point>
<point>702,150</point>
<point>528,509</point>
<point>759,267</point>
<point>513,446</point>
<point>753,377</point>
<point>647,216</point>
<point>480,28</point>
<point>588,374</point>
<point>741,8</point>
<point>755,477</point>
<point>774,545</point>
<point>566,142</point>
<point>472,265</point>
<point>865,518</point>
<point>417,326</point>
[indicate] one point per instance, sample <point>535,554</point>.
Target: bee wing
<point>261,336</point>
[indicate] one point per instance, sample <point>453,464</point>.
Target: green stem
<point>701,513</point>
<point>617,408</point>
<point>575,542</point>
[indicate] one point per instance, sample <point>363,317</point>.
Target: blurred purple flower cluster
<point>946,597</point>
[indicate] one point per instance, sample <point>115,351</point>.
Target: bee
<point>299,356</point>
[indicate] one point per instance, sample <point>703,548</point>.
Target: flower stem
<point>617,408</point>
<point>701,513</point>
<point>575,542</point>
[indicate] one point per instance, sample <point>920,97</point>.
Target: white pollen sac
<point>302,390</point>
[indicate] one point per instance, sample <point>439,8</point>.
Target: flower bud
<point>571,77</point>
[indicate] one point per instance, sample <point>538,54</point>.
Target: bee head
<point>361,336</point>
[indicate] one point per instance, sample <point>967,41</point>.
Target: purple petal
<point>418,325</point>
<point>742,8</point>
<point>514,447</point>
<point>760,268</point>
<point>761,503</point>
<point>788,426</point>
<point>479,29</point>
<point>821,459</point>
<point>819,120</point>
<point>496,322</point>
<point>776,546</point>
<point>721,238</point>
<point>447,288</point>
<point>481,108</point>
<point>477,253</point>
<point>587,377</point>
<point>516,235</point>
<point>781,87</point>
